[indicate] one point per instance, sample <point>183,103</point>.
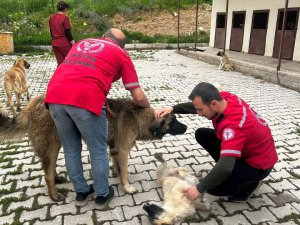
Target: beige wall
<point>249,6</point>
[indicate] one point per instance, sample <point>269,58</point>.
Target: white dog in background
<point>176,206</point>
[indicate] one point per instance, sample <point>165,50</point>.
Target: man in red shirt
<point>76,97</point>
<point>241,143</point>
<point>60,29</point>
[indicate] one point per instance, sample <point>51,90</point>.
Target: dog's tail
<point>159,157</point>
<point>20,90</point>
<point>12,128</point>
<point>17,126</point>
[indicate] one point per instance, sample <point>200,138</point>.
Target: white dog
<point>176,206</point>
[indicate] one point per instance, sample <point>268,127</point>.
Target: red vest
<point>245,134</point>
<point>85,77</point>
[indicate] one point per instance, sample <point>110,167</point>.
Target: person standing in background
<point>60,29</point>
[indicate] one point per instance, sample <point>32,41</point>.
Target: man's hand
<point>163,111</point>
<point>192,193</point>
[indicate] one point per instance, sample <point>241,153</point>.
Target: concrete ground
<point>167,78</point>
<point>263,67</point>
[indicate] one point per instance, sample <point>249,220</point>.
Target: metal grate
<point>221,20</point>
<point>260,20</point>
<point>239,20</point>
<point>291,20</point>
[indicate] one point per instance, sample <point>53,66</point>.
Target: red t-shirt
<point>85,77</point>
<point>245,134</point>
<point>58,23</point>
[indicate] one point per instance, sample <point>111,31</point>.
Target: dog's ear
<point>26,64</point>
<point>113,106</point>
<point>220,53</point>
<point>154,211</point>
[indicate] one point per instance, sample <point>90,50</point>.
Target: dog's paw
<point>130,189</point>
<point>202,205</point>
<point>57,197</point>
<point>60,179</point>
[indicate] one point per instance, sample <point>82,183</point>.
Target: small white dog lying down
<point>176,206</point>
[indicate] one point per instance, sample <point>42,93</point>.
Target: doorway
<point>259,32</point>
<point>289,33</point>
<point>237,31</point>
<point>220,31</point>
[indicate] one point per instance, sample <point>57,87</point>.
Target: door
<point>259,32</point>
<point>220,30</point>
<point>289,33</point>
<point>237,31</point>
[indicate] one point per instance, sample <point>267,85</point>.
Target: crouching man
<point>241,143</point>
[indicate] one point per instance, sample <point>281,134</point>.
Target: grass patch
<point>28,20</point>
<point>297,176</point>
<point>293,217</point>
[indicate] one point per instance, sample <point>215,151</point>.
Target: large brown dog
<point>128,122</point>
<point>14,80</point>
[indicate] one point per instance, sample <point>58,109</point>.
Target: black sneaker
<point>101,202</point>
<point>82,198</point>
<point>242,199</point>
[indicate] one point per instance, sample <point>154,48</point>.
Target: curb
<point>287,79</point>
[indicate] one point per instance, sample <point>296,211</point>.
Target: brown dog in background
<point>225,64</point>
<point>14,80</point>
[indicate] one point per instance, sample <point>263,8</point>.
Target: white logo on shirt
<point>90,46</point>
<point>228,134</point>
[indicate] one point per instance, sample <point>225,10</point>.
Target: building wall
<point>241,5</point>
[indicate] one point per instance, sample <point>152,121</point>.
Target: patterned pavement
<point>167,78</point>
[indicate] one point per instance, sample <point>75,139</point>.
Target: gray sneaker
<point>101,202</point>
<point>83,198</point>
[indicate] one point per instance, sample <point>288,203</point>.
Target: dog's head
<point>221,53</point>
<point>22,63</point>
<point>167,125</point>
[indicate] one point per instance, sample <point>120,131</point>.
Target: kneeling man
<point>241,143</point>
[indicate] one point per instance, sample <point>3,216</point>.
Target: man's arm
<point>221,171</point>
<point>216,176</point>
<point>182,108</point>
<point>185,108</point>
<point>139,97</point>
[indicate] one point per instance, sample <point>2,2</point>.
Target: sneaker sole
<point>103,206</point>
<point>84,203</point>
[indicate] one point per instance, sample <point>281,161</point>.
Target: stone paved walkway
<point>167,78</point>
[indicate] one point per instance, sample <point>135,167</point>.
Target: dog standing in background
<point>14,80</point>
<point>225,64</point>
<point>176,206</point>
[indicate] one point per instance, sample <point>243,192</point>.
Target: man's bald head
<point>117,35</point>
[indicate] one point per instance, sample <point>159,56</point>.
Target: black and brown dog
<point>128,122</point>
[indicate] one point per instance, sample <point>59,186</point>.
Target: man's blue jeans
<point>74,124</point>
